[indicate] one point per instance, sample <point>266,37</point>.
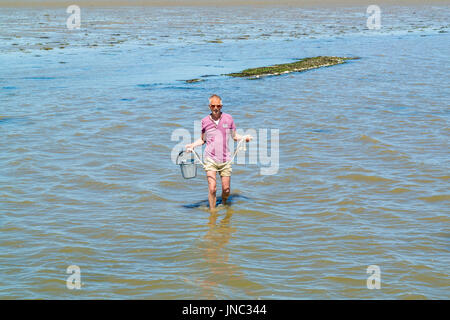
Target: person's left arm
<point>238,137</point>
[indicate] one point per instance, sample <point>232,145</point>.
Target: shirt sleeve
<point>232,125</point>
<point>203,126</point>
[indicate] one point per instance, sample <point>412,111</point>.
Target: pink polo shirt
<point>217,137</point>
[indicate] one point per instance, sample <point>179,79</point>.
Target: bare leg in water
<point>212,188</point>
<point>211,176</point>
<point>225,189</point>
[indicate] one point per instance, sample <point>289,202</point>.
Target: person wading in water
<point>216,128</point>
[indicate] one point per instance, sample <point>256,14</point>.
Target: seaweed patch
<point>297,66</point>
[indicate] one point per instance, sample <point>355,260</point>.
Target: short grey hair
<point>215,96</point>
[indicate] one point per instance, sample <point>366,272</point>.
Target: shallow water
<point>86,176</point>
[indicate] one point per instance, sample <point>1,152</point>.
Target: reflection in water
<point>215,254</point>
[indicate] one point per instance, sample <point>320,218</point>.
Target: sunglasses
<point>215,105</point>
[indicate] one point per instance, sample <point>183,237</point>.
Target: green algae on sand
<point>297,66</point>
<point>194,80</point>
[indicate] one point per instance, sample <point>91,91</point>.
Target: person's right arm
<point>196,143</point>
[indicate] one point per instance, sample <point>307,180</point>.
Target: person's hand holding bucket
<point>189,147</point>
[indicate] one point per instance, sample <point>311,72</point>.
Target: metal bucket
<point>188,167</point>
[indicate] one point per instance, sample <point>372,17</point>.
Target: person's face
<point>216,106</point>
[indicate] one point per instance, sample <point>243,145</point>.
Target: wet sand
<point>218,3</point>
